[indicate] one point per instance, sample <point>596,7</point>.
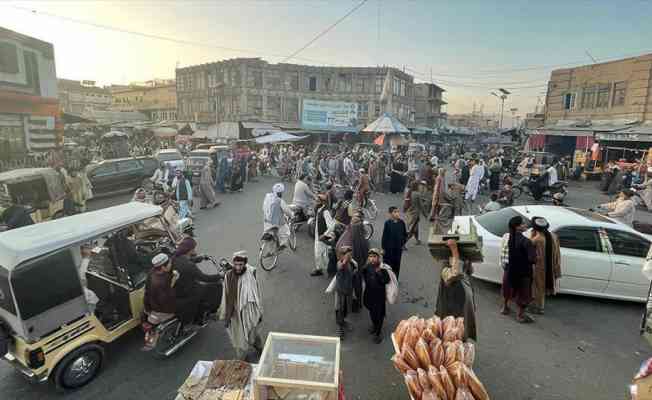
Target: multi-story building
<point>473,120</point>
<point>428,99</point>
<point>29,106</point>
<point>157,99</point>
<point>611,90</point>
<point>244,89</point>
<point>79,97</point>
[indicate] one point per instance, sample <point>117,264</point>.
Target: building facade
<point>79,97</point>
<point>29,104</point>
<point>244,89</point>
<point>428,100</point>
<point>157,99</point>
<point>612,90</point>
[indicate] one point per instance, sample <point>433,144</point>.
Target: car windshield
<point>169,156</point>
<point>497,222</point>
<point>591,215</point>
<point>197,161</point>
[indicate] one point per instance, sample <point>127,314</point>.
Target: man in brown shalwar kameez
<point>547,269</point>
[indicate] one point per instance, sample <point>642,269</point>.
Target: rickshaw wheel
<point>79,367</point>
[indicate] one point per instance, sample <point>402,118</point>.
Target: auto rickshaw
<point>42,189</point>
<point>52,324</point>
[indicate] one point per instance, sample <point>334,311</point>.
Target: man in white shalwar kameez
<point>276,214</point>
<point>324,224</point>
<point>473,185</point>
<point>242,307</point>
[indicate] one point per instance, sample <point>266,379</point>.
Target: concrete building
<point>611,90</point>
<point>79,97</point>
<point>476,120</point>
<point>251,89</point>
<point>29,104</point>
<point>157,99</point>
<point>428,101</point>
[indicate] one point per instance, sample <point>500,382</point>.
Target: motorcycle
<point>526,184</point>
<point>171,334</point>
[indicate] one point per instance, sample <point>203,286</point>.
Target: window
<point>312,83</point>
<point>376,109</point>
<point>292,80</point>
<point>603,96</point>
<point>255,105</point>
<point>273,79</point>
<point>344,83</point>
<point>379,83</point>
<point>130,165</point>
<point>360,84</point>
<point>45,283</point>
<point>255,78</point>
<point>620,89</point>
<point>328,84</point>
<point>628,244</point>
<point>12,138</point>
<point>396,87</point>
<point>9,58</point>
<point>497,222</point>
<point>569,101</point>
<point>274,106</point>
<point>292,109</point>
<point>576,238</point>
<point>403,88</point>
<point>588,97</point>
<point>363,110</point>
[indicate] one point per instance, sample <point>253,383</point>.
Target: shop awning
<point>386,123</point>
<point>278,137</point>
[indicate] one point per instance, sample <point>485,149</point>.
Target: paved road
<point>581,349</point>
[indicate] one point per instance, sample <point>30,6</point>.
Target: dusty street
<point>581,349</point>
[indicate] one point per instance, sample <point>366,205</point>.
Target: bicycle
<point>270,248</point>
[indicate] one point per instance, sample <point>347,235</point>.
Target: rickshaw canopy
<point>22,244</point>
<point>51,177</point>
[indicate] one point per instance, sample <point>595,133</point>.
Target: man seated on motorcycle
<point>161,176</point>
<point>303,196</point>
<point>492,205</point>
<point>187,244</point>
<point>558,200</point>
<point>623,209</point>
<point>160,297</point>
<point>276,215</point>
<point>506,195</point>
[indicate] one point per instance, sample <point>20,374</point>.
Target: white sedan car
<point>599,256</point>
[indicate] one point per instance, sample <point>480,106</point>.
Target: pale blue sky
<point>470,46</point>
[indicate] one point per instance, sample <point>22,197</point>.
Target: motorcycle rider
<point>623,208</point>
<point>187,244</point>
<point>303,196</point>
<point>552,174</point>
<point>160,298</point>
<point>276,214</point>
<point>161,176</point>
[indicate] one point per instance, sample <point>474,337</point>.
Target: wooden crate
<point>297,376</point>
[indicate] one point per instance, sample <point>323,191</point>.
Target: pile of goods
<point>227,380</point>
<point>435,362</point>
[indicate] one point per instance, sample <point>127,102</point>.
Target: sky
<point>468,47</point>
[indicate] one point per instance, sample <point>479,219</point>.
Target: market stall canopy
<point>424,130</point>
<point>386,123</point>
<point>640,133</point>
<point>278,137</point>
<point>164,132</point>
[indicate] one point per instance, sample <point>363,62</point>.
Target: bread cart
<point>298,367</point>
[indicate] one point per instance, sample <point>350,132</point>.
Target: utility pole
<point>502,98</point>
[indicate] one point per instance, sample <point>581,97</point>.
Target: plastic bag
<point>421,350</point>
<point>399,333</point>
<point>469,354</point>
<point>410,357</point>
<point>391,289</point>
<point>475,386</point>
<point>412,382</point>
<point>436,383</point>
<point>437,355</point>
<point>400,364</point>
<point>447,382</point>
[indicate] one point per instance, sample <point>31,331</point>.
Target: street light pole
<point>502,98</point>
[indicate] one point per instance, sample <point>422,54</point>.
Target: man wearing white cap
<point>276,214</point>
<point>242,308</point>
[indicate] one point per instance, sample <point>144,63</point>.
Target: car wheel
<point>79,367</point>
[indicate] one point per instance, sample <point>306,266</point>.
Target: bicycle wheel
<point>371,211</point>
<point>293,238</point>
<point>268,256</point>
<point>516,192</point>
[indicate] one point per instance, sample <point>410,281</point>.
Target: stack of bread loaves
<point>434,361</point>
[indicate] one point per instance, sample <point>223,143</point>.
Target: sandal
<point>505,310</point>
<point>525,319</point>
